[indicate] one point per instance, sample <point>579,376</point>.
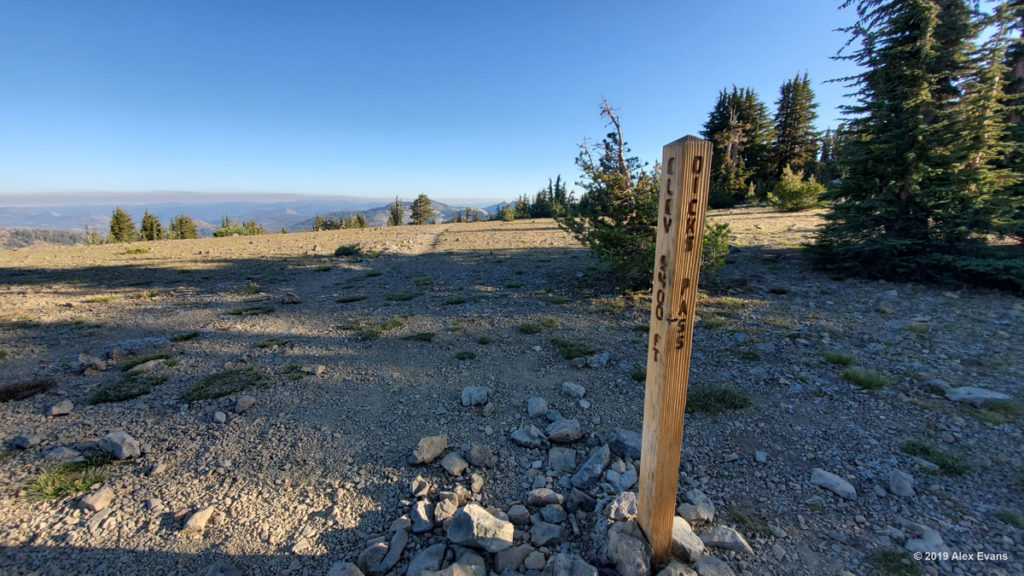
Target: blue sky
<point>462,100</point>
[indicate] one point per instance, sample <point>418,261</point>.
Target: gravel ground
<point>327,347</point>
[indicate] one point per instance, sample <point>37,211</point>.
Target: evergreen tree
<point>621,196</point>
<point>122,228</point>
<point>796,141</point>
<point>421,212</point>
<point>318,223</point>
<point>395,216</point>
<point>360,220</point>
<point>741,130</point>
<point>151,228</point>
<point>917,146</point>
<point>182,227</point>
<point>542,206</point>
<point>828,164</point>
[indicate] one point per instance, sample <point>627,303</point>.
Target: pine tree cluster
<point>929,159</point>
<point>330,223</point>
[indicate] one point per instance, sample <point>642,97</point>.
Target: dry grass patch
<point>222,384</point>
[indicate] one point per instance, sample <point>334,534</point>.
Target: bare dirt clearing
<point>375,351</point>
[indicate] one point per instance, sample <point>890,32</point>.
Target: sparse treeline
<point>321,223</point>
<point>181,227</point>
<point>753,150</point>
<point>551,202</point>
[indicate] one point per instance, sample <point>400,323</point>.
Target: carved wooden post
<point>682,205</point>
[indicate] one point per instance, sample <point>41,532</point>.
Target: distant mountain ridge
<point>294,214</point>
<point>380,215</point>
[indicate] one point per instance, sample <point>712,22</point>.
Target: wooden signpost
<point>682,205</point>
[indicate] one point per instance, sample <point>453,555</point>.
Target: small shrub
<point>792,193</point>
<point>866,379</point>
<point>570,349</point>
<point>455,300</point>
<point>369,335</point>
<point>25,389</point>
<point>484,340</point>
<point>531,328</point>
<point>139,250</point>
<point>642,328</point>
<point>422,282</point>
<point>552,298</point>
<point>3,354</point>
<point>465,355</point>
<point>392,323</point>
<point>715,401</point>
<point>185,337</point>
<point>325,268</point>
<point>1011,517</point>
<point>140,360</point>
<point>716,246</point>
<point>350,299</point>
<point>838,358</point>
<point>422,336</point>
<point>719,196</point>
<point>131,385</point>
<point>272,343</point>
<point>400,296</point>
<point>351,325</point>
<point>250,290</point>
<point>751,355</point>
<point>638,373</point>
<point>100,299</point>
<point>549,323</point>
<point>894,562</point>
<point>513,285</point>
<point>223,383</point>
<point>61,482</point>
<point>948,464</point>
<point>252,311</point>
<point>373,273</point>
<point>348,250</point>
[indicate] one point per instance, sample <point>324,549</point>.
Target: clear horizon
<point>465,102</point>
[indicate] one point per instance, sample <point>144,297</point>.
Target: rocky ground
<point>262,406</point>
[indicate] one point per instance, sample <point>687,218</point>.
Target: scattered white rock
<point>476,527</point>
<point>974,395</point>
<point>711,566</point>
<point>244,403</point>
<point>455,465</point>
<point>622,507</point>
<point>475,395</point>
<point>627,549</point>
<point>198,520</point>
<point>726,538</point>
<point>97,500</point>
<point>428,449</point>
<point>120,445</point>
<point>347,569</point>
<point>901,484</point>
<point>62,408</point>
<point>573,390</point>
<point>536,407</point>
<point>290,298</point>
<point>686,545</point>
<point>834,483</point>
<point>219,417</point>
<point>564,431</point>
<point>313,369</point>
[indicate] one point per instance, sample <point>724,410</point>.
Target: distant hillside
<point>379,216</point>
<point>20,238</point>
<point>272,215</point>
